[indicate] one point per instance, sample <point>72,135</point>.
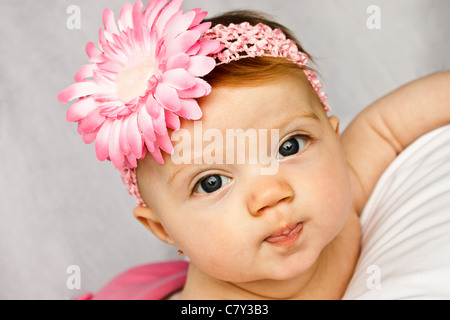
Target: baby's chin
<point>295,267</point>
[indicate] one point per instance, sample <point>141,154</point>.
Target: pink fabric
<point>148,282</point>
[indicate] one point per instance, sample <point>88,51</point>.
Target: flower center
<point>132,81</point>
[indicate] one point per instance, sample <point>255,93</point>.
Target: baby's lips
<point>284,233</point>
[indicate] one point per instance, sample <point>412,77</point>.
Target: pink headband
<point>247,41</point>
<point>149,72</point>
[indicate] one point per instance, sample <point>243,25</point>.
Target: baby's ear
<point>150,221</point>
<point>334,123</point>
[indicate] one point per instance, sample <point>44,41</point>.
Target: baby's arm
<point>385,128</point>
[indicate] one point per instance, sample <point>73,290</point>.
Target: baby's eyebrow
<point>183,166</point>
<point>310,114</point>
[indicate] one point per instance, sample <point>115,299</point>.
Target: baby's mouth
<point>285,236</point>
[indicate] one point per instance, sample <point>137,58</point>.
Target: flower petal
<point>146,125</point>
<point>156,154</point>
<point>181,24</point>
<point>125,18</point>
<point>201,89</point>
<point>190,109</point>
<point>167,97</point>
<point>105,79</point>
<point>130,161</point>
<point>163,28</point>
<point>149,144</point>
<point>80,109</point>
<point>93,53</point>
<point>111,66</point>
<point>172,120</point>
<point>89,137</point>
<point>159,122</point>
<point>179,78</point>
<point>200,66</point>
<point>209,46</point>
<point>178,61</point>
<point>169,10</point>
<point>164,142</point>
<point>109,24</point>
<point>199,16</point>
<point>78,90</point>
<point>123,138</point>
<point>192,51</point>
<point>102,142</point>
<point>86,71</point>
<point>182,42</point>
<point>101,40</point>
<point>152,106</point>
<point>137,14</point>
<point>134,136</point>
<point>152,11</point>
<point>91,122</point>
<point>137,25</point>
<point>115,153</point>
<point>202,28</point>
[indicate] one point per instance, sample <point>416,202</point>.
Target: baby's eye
<point>211,183</point>
<point>292,146</point>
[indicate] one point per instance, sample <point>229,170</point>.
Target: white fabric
<point>406,226</point>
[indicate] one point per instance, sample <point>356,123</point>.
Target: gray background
<point>59,206</point>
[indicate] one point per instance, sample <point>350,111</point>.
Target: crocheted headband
<point>247,41</point>
<point>148,72</point>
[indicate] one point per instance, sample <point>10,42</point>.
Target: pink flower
<point>145,74</point>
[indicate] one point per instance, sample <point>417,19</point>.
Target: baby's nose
<point>267,192</point>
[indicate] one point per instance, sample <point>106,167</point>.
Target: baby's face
<point>229,216</point>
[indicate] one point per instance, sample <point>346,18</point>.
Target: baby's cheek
<point>338,197</point>
<point>330,191</point>
<point>222,253</point>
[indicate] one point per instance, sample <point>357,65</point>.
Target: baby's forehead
<point>270,105</point>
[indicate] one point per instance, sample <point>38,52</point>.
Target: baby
<point>275,215</point>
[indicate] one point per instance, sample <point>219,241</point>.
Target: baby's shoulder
<point>369,147</point>
<point>388,126</point>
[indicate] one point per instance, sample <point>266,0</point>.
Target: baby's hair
<point>252,71</point>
